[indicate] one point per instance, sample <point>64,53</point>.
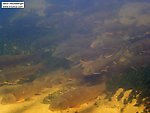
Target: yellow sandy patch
<point>103,105</point>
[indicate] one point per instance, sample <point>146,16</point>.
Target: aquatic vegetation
<point>138,80</point>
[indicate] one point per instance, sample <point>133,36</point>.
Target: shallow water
<point>76,45</point>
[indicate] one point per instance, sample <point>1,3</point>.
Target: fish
<point>76,97</point>
<point>20,100</point>
<point>108,33</point>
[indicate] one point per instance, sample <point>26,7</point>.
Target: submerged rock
<point>51,97</point>
<point>76,97</point>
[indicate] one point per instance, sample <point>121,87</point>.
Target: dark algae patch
<point>138,81</point>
